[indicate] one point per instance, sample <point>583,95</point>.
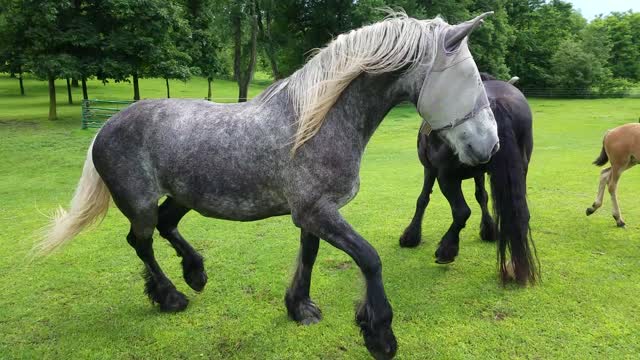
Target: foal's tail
<point>90,202</point>
<point>603,157</point>
<point>509,193</point>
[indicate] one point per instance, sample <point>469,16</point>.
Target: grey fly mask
<point>453,100</point>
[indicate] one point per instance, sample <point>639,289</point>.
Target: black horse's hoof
<point>379,339</point>
<point>304,311</point>
<point>488,232</point>
<point>590,211</point>
<point>174,301</point>
<point>196,279</point>
<point>410,238</point>
<point>446,255</point>
<point>307,313</point>
<point>383,346</point>
<point>442,261</point>
<point>621,224</point>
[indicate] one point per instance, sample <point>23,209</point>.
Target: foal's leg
<point>604,179</point>
<point>157,286</point>
<point>299,304</point>
<point>169,214</point>
<point>412,234</point>
<point>613,188</point>
<point>452,190</point>
<point>374,316</point>
<point>487,225</point>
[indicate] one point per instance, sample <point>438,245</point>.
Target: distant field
<point>87,301</point>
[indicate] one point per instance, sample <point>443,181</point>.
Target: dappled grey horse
<point>295,149</point>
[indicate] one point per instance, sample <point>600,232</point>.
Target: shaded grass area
<point>87,301</point>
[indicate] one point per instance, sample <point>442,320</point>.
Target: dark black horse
<point>508,172</point>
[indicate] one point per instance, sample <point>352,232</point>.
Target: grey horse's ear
<point>457,33</point>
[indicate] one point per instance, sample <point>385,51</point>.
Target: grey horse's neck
<point>367,100</point>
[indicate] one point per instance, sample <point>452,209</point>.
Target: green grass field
<point>87,301</point>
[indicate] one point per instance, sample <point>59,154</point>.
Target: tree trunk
<point>52,98</point>
<point>21,84</point>
<point>166,81</point>
<point>243,90</point>
<point>271,54</point>
<point>265,36</point>
<point>209,96</point>
<point>69,92</point>
<point>245,77</point>
<point>74,83</point>
<point>136,88</point>
<point>236,22</point>
<point>85,94</point>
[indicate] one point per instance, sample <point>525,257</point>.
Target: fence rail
<point>578,94</point>
<point>96,112</point>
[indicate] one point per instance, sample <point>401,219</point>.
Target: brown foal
<point>621,148</point>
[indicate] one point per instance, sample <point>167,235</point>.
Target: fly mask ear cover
<point>452,91</point>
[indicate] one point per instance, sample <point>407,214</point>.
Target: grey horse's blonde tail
<point>90,203</point>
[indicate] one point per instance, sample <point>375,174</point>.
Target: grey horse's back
<point>198,153</point>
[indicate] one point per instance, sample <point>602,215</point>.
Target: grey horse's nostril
<point>495,149</point>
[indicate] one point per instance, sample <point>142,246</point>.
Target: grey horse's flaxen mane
<point>398,42</point>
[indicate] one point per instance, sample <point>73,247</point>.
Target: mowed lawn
<point>87,301</point>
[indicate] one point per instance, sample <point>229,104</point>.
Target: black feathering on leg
<point>165,295</point>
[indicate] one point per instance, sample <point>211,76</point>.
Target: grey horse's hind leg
<point>488,230</point>
<point>299,304</point>
<point>374,316</point>
<point>169,215</point>
<point>157,286</point>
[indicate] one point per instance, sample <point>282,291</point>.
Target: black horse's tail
<point>508,189</point>
<point>603,158</point>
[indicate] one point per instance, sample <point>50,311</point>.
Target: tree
<point>491,42</point>
<point>205,47</point>
<point>136,35</point>
<point>13,40</point>
<point>573,68</point>
<point>264,11</point>
<point>173,61</point>
<point>46,55</point>
<point>624,32</point>
<point>539,29</point>
<point>243,15</point>
<point>83,41</point>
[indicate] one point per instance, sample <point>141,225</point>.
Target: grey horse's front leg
<point>299,304</point>
<point>374,316</point>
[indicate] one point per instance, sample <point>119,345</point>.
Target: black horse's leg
<point>157,286</point>
<point>374,316</point>
<point>487,225</point>
<point>452,190</point>
<point>412,234</point>
<point>299,304</point>
<point>169,214</point>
